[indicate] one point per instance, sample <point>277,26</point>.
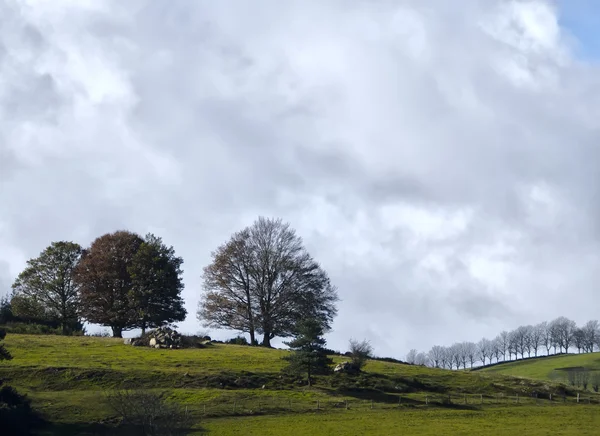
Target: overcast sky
<point>441,159</point>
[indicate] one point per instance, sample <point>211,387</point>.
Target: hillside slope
<point>68,378</point>
<point>553,368</point>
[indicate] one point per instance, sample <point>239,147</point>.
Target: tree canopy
<point>155,274</point>
<point>46,287</point>
<point>263,281</point>
<point>127,282</point>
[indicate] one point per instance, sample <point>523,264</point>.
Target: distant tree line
<point>546,338</point>
<point>262,281</point>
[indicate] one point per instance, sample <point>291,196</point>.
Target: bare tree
<point>360,352</point>
<point>264,281</point>
<point>503,343</point>
<point>496,350</point>
<point>579,340</point>
<point>484,350</point>
<point>546,336</point>
<point>411,357</point>
<point>563,330</point>
<point>470,350</point>
<point>421,359</point>
<point>536,338</point>
<point>436,356</point>
<point>591,334</point>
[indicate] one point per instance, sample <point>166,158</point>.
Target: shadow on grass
<point>97,429</point>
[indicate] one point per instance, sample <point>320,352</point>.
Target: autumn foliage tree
<point>127,282</point>
<point>263,281</point>
<point>46,287</point>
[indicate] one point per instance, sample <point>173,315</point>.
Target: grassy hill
<point>229,386</point>
<point>553,368</point>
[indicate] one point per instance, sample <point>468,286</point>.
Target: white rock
<point>152,342</point>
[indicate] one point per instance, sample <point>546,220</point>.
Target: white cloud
<point>441,162</point>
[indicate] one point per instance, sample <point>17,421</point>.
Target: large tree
<point>263,281</point>
<point>127,282</point>
<point>155,273</point>
<point>48,280</point>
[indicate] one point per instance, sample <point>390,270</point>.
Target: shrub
<point>148,413</point>
<point>238,340</point>
<point>193,341</point>
<point>360,352</point>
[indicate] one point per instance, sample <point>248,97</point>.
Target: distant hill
<point>553,368</point>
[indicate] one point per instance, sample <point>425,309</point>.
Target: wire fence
<point>254,406</point>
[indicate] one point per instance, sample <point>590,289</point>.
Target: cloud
<point>441,163</point>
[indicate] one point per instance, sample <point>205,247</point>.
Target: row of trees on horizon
<point>262,281</point>
<point>546,338</point>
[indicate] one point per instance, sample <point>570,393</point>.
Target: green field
<point>546,368</point>
<point>231,389</point>
<point>531,420</point>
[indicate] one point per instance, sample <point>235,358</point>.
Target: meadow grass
<point>546,368</point>
<point>68,378</point>
<point>527,420</point>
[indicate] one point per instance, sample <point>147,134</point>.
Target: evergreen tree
<point>309,355</point>
<point>4,354</point>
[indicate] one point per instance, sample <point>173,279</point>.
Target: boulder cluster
<point>162,337</point>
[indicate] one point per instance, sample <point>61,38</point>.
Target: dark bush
<point>238,340</point>
<point>148,413</point>
<point>16,415</point>
<point>193,341</point>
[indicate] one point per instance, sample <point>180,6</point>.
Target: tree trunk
<point>117,332</point>
<point>143,330</point>
<point>252,336</point>
<point>64,327</point>
<point>266,340</point>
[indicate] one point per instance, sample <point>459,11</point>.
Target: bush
<point>238,340</point>
<point>16,415</point>
<point>360,351</point>
<point>147,413</point>
<point>193,341</point>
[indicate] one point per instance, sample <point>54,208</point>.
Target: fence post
<point>481,397</point>
<point>205,408</point>
<point>426,400</point>
<point>233,406</point>
<point>517,401</point>
<point>550,397</point>
<point>578,397</point>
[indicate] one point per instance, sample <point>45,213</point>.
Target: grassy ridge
<point>67,379</point>
<point>546,368</point>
